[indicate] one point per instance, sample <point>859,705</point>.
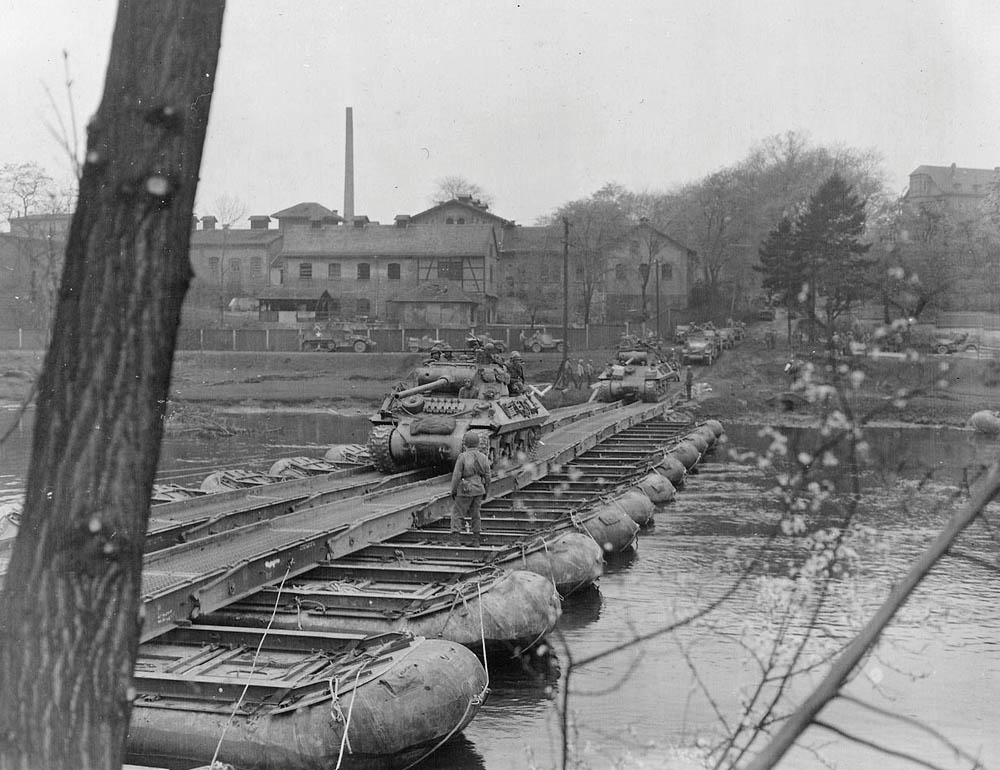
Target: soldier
<point>516,371</point>
<point>589,370</point>
<point>688,380</point>
<point>467,391</point>
<point>581,374</point>
<point>470,483</point>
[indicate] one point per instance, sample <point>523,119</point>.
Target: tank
<point>637,373</point>
<point>422,424</point>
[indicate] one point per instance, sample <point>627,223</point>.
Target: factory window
<point>234,265</point>
<point>333,271</point>
<point>364,306</point>
<point>461,220</point>
<point>333,307</point>
<point>666,271</point>
<point>621,272</point>
<point>316,224</point>
<point>255,265</point>
<point>449,221</point>
<point>213,265</point>
<point>579,272</point>
<point>364,271</point>
<point>305,270</point>
<point>392,271</point>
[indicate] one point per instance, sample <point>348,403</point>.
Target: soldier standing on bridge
<point>470,483</point>
<point>688,380</point>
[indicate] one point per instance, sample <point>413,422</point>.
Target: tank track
<point>603,393</point>
<point>378,448</point>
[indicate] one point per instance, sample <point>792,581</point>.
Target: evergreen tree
<point>830,252</point>
<point>782,271</point>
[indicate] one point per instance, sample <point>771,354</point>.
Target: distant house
<point>960,190</point>
<point>365,266</point>
<point>532,269</point>
<point>463,210</point>
<point>630,291</point>
<point>439,304</point>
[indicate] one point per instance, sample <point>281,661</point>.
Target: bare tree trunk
<point>70,608</point>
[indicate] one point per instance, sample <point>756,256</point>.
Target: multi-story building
<point>959,190</point>
<point>619,283</point>
<point>368,270</point>
<point>232,262</point>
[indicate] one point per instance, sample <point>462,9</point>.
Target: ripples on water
<point>648,706</point>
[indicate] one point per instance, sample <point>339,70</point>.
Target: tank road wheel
<point>649,393</point>
<point>360,346</point>
<point>603,393</point>
<point>378,448</point>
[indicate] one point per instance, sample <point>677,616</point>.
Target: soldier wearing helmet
<point>516,371</point>
<point>470,483</point>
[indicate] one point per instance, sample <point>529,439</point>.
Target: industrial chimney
<point>349,168</point>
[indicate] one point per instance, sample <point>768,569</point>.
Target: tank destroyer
<point>455,392</point>
<point>638,372</point>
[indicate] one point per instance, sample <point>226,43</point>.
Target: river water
<point>935,678</point>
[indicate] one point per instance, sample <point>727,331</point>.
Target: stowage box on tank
<point>455,392</point>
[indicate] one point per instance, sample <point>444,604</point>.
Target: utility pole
<point>659,332</point>
<point>565,355</point>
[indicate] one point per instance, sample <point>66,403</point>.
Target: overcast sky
<point>537,102</point>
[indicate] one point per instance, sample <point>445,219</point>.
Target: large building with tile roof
<point>961,190</point>
<point>365,267</point>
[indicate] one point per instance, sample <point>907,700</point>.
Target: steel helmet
<point>470,439</point>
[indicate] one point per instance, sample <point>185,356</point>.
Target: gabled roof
<point>643,227</point>
<point>946,177</point>
<point>436,291</point>
<point>390,241</point>
<point>309,211</point>
<point>290,292</point>
<point>536,239</point>
<point>231,237</point>
<point>462,203</point>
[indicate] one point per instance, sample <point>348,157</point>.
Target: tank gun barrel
<point>427,386</point>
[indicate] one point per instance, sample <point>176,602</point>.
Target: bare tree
<point>24,188</point>
<point>455,186</point>
<point>229,210</point>
<point>70,610</point>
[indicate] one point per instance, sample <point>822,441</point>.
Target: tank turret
<point>422,424</point>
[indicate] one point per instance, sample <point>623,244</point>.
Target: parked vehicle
<point>542,341</point>
<point>337,340</point>
<point>702,347</point>
<point>425,344</point>
<point>476,341</point>
<point>766,314</point>
<point>953,343</point>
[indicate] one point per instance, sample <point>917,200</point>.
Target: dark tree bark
<point>70,608</point>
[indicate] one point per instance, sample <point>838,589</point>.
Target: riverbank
<point>746,384</point>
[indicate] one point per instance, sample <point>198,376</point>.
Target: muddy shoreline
<point>747,384</point>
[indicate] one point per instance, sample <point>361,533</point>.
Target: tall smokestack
<point>349,168</point>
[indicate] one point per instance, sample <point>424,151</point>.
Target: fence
<point>592,337</point>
